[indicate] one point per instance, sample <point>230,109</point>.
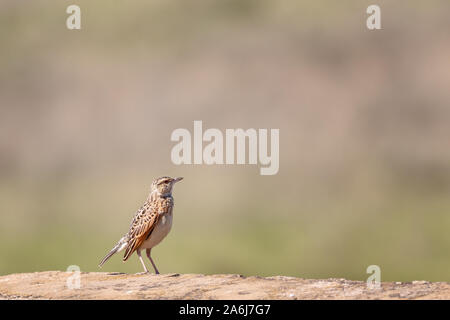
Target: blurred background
<point>364,118</point>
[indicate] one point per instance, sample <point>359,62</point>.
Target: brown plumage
<point>151,223</point>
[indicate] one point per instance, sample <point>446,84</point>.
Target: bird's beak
<point>177,179</point>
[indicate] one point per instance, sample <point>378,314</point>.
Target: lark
<point>151,223</point>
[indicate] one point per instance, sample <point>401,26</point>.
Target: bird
<point>150,224</point>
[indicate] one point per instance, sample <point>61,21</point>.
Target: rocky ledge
<point>66,285</point>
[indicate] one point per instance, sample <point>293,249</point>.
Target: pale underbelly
<point>159,233</point>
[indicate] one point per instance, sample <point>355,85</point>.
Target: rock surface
<point>57,285</point>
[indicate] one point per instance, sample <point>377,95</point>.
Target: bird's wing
<point>142,225</point>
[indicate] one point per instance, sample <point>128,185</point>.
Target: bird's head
<point>163,186</point>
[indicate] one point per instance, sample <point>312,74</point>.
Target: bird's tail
<point>117,248</point>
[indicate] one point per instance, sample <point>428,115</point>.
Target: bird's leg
<point>151,260</point>
<point>138,251</point>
